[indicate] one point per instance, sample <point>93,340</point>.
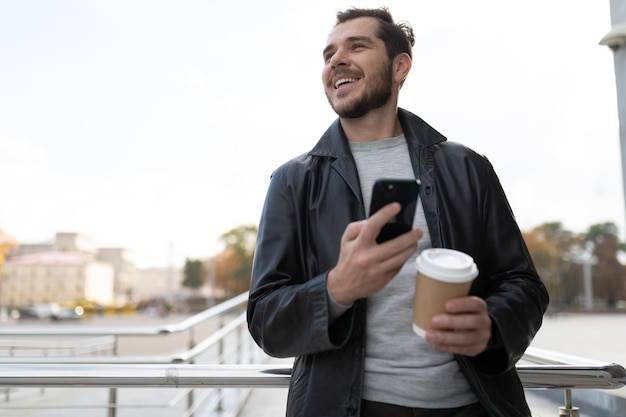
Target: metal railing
<point>37,348</point>
<point>242,366</point>
<point>555,370</point>
<point>226,342</point>
<point>552,371</point>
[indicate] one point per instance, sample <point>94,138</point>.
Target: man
<point>323,291</point>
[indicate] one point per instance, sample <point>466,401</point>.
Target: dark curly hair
<point>398,37</point>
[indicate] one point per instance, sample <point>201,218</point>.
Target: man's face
<point>357,73</point>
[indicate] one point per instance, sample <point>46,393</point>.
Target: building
<point>158,282</point>
<point>71,267</point>
<point>55,277</point>
<point>126,277</point>
<point>63,242</point>
<point>66,269</point>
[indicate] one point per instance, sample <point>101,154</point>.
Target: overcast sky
<point>151,124</point>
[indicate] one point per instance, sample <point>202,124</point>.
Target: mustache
<point>344,74</point>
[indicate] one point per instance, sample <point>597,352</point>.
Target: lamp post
<point>584,257</point>
<point>616,40</point>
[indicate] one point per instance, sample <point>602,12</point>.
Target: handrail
<point>76,346</point>
<point>611,376</point>
<point>538,369</point>
<point>179,357</point>
<point>54,344</point>
<point>550,357</point>
<point>557,370</point>
<point>225,344</point>
<point>164,376</point>
<point>558,374</point>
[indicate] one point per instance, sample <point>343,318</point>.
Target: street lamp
<point>616,40</point>
<point>585,258</point>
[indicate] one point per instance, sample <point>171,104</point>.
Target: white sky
<point>145,123</point>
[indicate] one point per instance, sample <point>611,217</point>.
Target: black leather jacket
<point>310,201</point>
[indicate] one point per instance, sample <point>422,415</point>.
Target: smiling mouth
<point>344,81</point>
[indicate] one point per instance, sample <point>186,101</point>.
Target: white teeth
<point>344,81</point>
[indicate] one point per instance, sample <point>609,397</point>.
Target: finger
<point>450,339</point>
<point>404,241</point>
<point>461,322</point>
<point>379,219</point>
<point>462,343</point>
<point>470,304</point>
<point>387,266</point>
<point>390,256</point>
<point>465,334</point>
<point>352,231</point>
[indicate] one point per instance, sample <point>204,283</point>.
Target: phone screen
<point>387,191</point>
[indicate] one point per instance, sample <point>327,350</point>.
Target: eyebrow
<point>350,39</point>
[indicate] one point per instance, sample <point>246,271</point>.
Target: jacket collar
<point>334,143</point>
<point>417,131</point>
<point>419,135</point>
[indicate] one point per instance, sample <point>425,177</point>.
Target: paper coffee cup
<point>442,274</point>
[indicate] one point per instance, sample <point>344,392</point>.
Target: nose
<point>338,58</point>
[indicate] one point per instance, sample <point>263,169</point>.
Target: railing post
<point>569,410</point>
<point>239,341</point>
<point>220,360</point>
<point>192,344</point>
<point>112,406</point>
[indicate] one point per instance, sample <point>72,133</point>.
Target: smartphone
<point>387,191</point>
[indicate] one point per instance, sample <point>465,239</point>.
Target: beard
<point>376,97</point>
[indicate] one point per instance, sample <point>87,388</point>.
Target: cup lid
<point>447,265</point>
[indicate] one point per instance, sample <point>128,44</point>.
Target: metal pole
<point>569,410</point>
<point>169,287</point>
<point>190,396</point>
<point>616,40</point>
<point>588,283</point>
<point>112,408</point>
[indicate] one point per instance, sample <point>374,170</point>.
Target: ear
<point>401,68</point>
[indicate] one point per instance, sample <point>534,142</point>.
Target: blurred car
<point>38,311</point>
<point>27,313</point>
<point>68,314</point>
<point>49,311</point>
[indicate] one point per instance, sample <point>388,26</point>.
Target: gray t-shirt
<point>401,367</point>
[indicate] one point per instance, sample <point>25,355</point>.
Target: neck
<point>375,125</point>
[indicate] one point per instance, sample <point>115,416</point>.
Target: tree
<point>542,245</point>
<point>226,267</point>
<point>608,274</point>
<point>555,253</point>
<point>238,254</point>
<point>194,273</point>
<point>561,258</point>
<point>597,232</point>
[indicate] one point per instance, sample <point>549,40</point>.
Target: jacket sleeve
<point>475,217</point>
<point>516,298</point>
<point>288,311</point>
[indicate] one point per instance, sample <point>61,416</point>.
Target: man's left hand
<point>464,329</point>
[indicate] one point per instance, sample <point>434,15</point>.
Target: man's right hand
<point>365,267</point>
